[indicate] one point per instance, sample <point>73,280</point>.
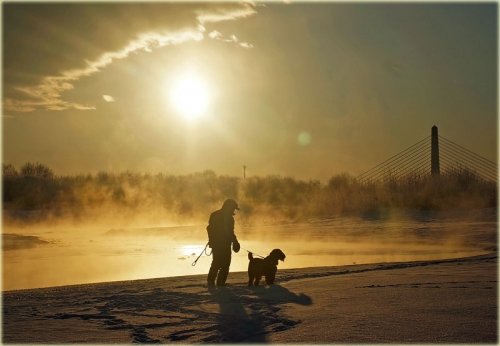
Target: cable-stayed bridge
<point>434,155</point>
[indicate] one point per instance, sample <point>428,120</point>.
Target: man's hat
<point>230,204</point>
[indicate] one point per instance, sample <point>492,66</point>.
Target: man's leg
<point>214,267</point>
<point>225,261</point>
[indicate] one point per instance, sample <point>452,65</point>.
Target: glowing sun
<point>190,96</point>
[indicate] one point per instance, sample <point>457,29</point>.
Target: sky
<point>305,90</point>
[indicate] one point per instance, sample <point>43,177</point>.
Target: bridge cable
<point>469,158</point>
<point>393,160</point>
<point>479,156</point>
<point>459,164</point>
<point>460,158</point>
<point>467,164</point>
<point>416,165</point>
<point>392,157</point>
<point>404,159</point>
<point>455,170</point>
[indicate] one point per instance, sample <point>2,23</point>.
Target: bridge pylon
<point>432,156</point>
<point>435,171</point>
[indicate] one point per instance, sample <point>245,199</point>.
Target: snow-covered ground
<point>440,301</point>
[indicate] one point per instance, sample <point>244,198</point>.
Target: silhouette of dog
<point>259,267</point>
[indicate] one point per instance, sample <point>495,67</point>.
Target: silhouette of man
<point>220,237</point>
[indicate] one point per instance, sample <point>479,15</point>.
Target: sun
<point>190,96</point>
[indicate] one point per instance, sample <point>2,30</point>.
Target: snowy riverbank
<point>449,301</point>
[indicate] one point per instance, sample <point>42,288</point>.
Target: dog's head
<point>277,254</point>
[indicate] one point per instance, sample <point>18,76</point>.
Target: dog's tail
<point>250,256</point>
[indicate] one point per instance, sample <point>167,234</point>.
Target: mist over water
<point>52,255</point>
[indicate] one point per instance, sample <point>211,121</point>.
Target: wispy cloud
<point>216,35</point>
<point>234,12</point>
<point>108,98</point>
<point>47,94</point>
<point>245,45</point>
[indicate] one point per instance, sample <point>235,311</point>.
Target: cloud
<point>47,94</point>
<point>216,35</point>
<point>246,45</point>
<point>230,12</point>
<point>108,98</point>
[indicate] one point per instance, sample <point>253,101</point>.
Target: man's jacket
<point>221,229</point>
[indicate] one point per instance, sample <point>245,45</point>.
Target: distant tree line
<point>34,192</point>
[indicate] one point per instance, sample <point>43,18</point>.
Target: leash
<point>209,254</point>
<point>202,251</point>
<point>253,253</point>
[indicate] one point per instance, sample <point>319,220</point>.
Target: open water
<point>45,256</point>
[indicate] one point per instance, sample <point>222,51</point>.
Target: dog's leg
<point>251,272</point>
<point>257,280</point>
<point>271,275</point>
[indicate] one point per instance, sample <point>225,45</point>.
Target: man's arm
<point>210,230</point>
<point>234,240</point>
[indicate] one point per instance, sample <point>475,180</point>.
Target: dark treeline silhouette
<point>34,192</point>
